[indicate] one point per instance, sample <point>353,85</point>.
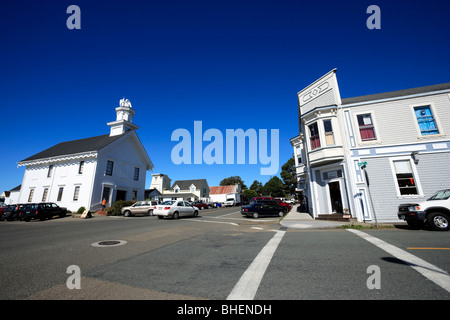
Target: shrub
<point>115,208</point>
<point>81,210</point>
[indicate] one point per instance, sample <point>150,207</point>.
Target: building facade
<point>188,190</point>
<point>84,172</point>
<point>363,156</point>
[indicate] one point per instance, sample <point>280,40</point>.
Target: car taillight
<point>166,208</point>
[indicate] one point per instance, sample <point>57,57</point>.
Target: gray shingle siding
<point>432,176</point>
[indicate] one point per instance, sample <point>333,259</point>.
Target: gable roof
<point>398,93</point>
<point>222,189</point>
<point>76,146</point>
<point>185,184</point>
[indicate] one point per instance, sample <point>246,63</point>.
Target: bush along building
<point>363,156</point>
<point>84,172</point>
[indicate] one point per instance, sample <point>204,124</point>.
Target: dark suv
<point>42,211</point>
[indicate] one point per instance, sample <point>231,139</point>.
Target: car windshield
<point>170,202</point>
<point>441,195</point>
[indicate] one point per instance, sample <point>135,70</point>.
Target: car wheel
<point>438,221</point>
<point>126,213</point>
<point>195,213</point>
<point>281,213</point>
<point>175,215</point>
<point>62,215</point>
<point>255,215</point>
<point>150,212</point>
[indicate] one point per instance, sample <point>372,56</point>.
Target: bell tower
<point>124,117</point>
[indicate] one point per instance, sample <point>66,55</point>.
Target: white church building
<point>83,172</point>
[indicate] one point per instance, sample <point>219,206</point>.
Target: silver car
<point>175,209</point>
<point>140,207</point>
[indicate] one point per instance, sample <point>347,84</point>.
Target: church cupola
<point>124,117</point>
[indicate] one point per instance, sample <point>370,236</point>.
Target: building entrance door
<point>335,197</point>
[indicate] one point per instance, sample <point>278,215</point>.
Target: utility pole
<point>363,166</point>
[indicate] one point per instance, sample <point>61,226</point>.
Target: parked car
<point>290,201</point>
<point>275,202</point>
<point>435,212</point>
<point>284,204</point>
<point>3,206</point>
<point>175,209</point>
<point>260,198</point>
<point>229,202</point>
<point>140,207</point>
<point>42,211</point>
<point>200,205</point>
<point>259,209</point>
<point>11,212</point>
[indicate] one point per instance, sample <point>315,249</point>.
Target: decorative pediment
<point>321,93</point>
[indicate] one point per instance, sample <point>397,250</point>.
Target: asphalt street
<point>217,256</point>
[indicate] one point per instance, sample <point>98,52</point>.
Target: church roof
<point>75,146</point>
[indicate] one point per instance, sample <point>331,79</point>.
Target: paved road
<point>217,255</point>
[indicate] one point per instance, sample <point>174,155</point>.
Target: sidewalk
<point>302,220</point>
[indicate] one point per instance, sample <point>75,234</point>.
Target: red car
<point>283,204</point>
<point>199,205</point>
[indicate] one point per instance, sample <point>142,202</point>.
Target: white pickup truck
<point>435,211</point>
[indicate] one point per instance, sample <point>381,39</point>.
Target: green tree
<point>289,176</point>
<point>248,194</point>
<point>257,186</point>
<point>232,181</point>
<point>274,187</point>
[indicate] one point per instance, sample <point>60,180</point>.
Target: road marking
<point>248,284</point>
<point>232,223</point>
<point>433,273</point>
<point>426,248</point>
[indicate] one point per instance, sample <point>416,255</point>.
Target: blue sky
<point>230,64</point>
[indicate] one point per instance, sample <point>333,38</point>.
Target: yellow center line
<point>427,248</point>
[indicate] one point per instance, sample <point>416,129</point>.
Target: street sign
<point>362,164</point>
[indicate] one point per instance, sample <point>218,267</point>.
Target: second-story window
<point>425,120</point>
<point>50,170</point>
<point>328,128</point>
<point>109,168</point>
<point>366,128</point>
<point>298,153</point>
<point>314,136</point>
<point>81,167</point>
<point>136,173</point>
